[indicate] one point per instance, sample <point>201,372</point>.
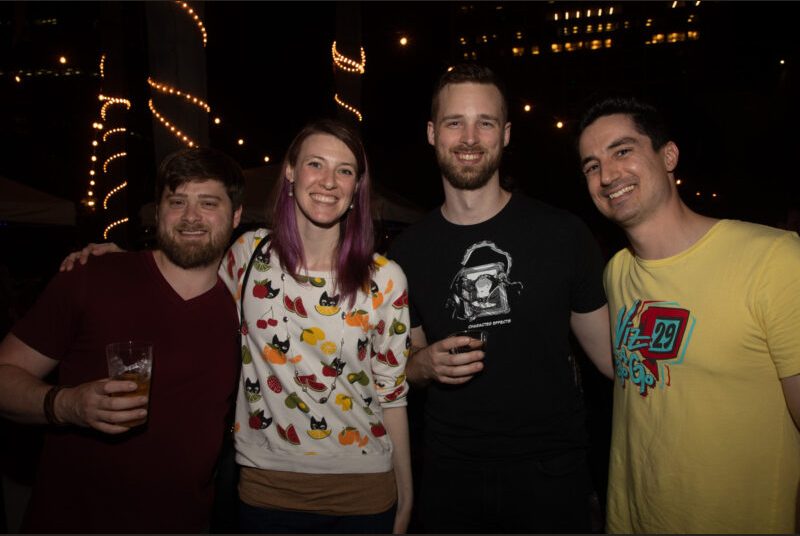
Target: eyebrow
<point>344,162</point>
<point>480,116</point>
<point>613,145</point>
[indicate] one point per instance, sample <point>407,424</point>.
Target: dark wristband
<point>49,403</point>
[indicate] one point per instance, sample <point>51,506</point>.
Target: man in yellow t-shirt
<point>706,337</point>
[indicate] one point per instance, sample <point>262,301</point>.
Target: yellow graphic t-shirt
<point>702,439</point>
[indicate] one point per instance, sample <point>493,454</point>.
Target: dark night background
<point>724,73</point>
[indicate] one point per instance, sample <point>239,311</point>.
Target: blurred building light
<point>555,16</point>
<point>559,124</point>
<point>714,194</point>
<point>240,141</point>
<point>611,11</point>
<point>678,182</point>
<point>217,120</point>
<point>782,62</point>
<point>517,51</point>
<point>17,79</point>
<point>62,60</point>
<point>674,4</point>
<point>535,50</point>
<point>697,194</point>
<point>266,159</point>
<point>527,107</point>
<point>403,41</point>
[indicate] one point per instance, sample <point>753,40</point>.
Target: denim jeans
<point>529,496</point>
<point>254,520</point>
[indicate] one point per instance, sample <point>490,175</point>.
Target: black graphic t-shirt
<point>518,276</point>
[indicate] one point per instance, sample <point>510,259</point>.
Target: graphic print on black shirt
<point>481,290</point>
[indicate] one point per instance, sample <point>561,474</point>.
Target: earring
<point>291,189</point>
<point>351,205</point>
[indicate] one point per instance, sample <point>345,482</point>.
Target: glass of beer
<point>131,361</point>
<point>477,334</point>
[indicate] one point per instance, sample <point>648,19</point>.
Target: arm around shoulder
<point>593,332</point>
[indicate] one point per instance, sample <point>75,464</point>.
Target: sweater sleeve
<point>391,343</point>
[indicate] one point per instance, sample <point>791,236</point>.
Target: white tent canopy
<point>23,204</point>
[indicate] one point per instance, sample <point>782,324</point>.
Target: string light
<point>111,159</point>
<point>178,134</point>
<point>111,101</point>
<point>102,66</point>
<point>346,64</point>
<point>347,107</point>
<point>111,132</point>
<point>164,88</point>
<point>197,20</point>
<point>116,189</point>
<point>350,66</point>
<point>112,225</point>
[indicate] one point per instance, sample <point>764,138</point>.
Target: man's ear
<point>237,216</point>
<point>670,153</point>
<point>506,133</point>
<point>431,133</point>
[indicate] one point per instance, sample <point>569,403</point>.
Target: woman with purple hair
<point>321,431</point>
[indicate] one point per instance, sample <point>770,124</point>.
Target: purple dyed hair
<point>353,264</point>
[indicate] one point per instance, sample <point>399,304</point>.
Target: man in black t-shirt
<point>505,442</point>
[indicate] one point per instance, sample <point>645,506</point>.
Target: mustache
<point>186,227</point>
<point>465,147</point>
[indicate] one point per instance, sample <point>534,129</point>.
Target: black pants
<point>532,496</point>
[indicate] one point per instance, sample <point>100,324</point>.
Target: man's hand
<point>83,255</point>
<point>92,405</point>
<point>435,362</point>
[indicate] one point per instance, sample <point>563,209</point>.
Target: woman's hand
<point>83,255</point>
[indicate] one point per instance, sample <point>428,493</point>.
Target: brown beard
<point>471,180</point>
<point>188,256</point>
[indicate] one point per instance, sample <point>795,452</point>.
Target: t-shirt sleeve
<point>777,308</point>
<point>51,325</point>
<point>587,293</point>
